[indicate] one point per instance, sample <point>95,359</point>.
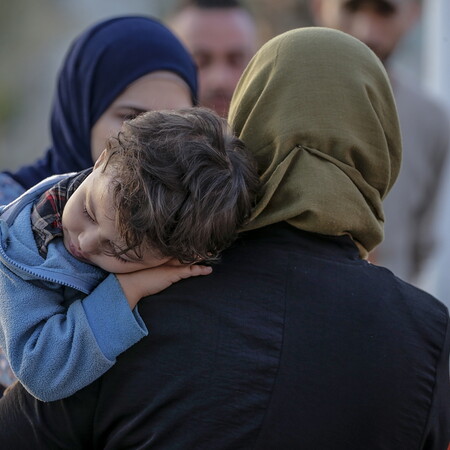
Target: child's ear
<point>100,159</point>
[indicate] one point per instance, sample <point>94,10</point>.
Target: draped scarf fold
<point>315,107</point>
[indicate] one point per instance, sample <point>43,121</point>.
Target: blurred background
<point>35,35</point>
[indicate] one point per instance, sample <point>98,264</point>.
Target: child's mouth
<point>77,254</point>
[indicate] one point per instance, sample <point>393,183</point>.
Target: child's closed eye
<point>119,258</point>
<point>86,213</point>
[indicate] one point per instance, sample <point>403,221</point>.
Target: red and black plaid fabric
<point>47,211</point>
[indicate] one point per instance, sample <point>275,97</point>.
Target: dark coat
<point>292,343</point>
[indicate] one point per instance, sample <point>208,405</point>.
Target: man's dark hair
<point>183,183</point>
<point>383,6</point>
<point>203,4</point>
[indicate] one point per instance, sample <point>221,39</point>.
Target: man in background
<point>410,206</point>
<point>221,36</point>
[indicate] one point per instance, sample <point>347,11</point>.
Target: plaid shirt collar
<point>47,211</point>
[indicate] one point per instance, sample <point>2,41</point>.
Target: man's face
<point>222,42</point>
<point>380,24</point>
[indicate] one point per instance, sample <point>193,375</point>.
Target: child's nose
<point>88,243</point>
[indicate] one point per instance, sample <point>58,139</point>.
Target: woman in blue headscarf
<point>113,70</point>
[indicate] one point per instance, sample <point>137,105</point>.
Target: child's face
<point>89,229</point>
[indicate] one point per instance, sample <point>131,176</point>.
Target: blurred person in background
<point>222,37</point>
<point>435,277</point>
<point>114,70</point>
<point>410,209</point>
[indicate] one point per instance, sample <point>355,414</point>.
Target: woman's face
<point>157,90</point>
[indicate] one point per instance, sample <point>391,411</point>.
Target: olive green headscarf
<point>315,108</point>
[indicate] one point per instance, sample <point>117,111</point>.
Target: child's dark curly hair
<point>183,183</point>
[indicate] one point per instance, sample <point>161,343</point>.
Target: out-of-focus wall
<point>34,37</point>
<point>437,49</point>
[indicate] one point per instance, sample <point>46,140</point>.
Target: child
<point>170,190</point>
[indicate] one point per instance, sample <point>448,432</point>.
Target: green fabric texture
<point>315,108</point>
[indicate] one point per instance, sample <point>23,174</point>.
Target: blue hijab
<point>100,64</point>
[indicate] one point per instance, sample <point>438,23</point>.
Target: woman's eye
<point>85,211</point>
<point>127,115</point>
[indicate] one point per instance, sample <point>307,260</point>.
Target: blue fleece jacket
<point>10,189</point>
<point>62,322</point>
